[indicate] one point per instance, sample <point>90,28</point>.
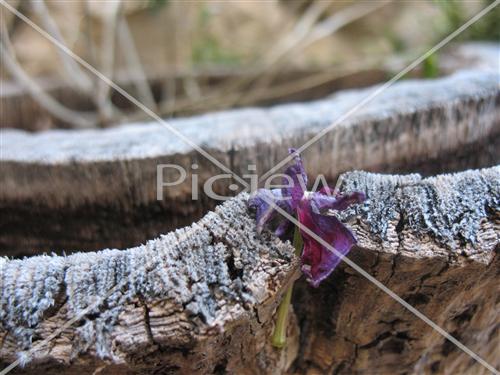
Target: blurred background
<point>185,57</point>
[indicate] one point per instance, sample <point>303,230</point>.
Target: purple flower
<point>314,211</point>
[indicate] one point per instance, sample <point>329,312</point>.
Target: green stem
<point>279,335</point>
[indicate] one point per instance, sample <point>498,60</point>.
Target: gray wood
<point>96,188</point>
<point>197,292</point>
<point>200,300</point>
<point>435,243</point>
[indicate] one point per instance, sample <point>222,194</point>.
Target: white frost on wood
<point>219,268</point>
<point>239,128</point>
<point>213,271</point>
<point>449,207</point>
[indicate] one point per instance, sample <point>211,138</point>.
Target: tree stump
<point>201,300</point>
<point>435,243</point>
<point>198,300</point>
<point>90,189</point>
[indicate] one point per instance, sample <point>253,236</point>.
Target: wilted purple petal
<point>336,233</point>
<point>283,228</point>
<point>298,176</point>
<point>318,262</point>
<point>321,203</point>
<point>262,201</point>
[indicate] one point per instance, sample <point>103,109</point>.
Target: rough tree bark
<point>98,188</point>
<point>194,301</point>
<point>201,299</point>
<point>435,243</point>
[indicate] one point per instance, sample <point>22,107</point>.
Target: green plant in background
<point>207,48</point>
<point>156,4</point>
<point>487,28</point>
<point>430,66</point>
<point>396,41</point>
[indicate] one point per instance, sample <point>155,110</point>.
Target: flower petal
<point>262,201</point>
<point>336,233</point>
<point>321,203</point>
<point>283,228</point>
<point>298,176</point>
<point>318,262</point>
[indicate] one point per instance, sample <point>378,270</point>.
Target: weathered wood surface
<point>435,243</point>
<point>471,55</point>
<point>97,188</point>
<point>21,111</point>
<point>192,301</point>
<point>200,300</point>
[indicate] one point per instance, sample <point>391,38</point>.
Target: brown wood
<point>20,110</point>
<point>66,190</point>
<point>424,252</point>
<point>194,300</point>
<point>201,299</point>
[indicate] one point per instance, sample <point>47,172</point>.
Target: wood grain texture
<point>186,301</point>
<point>201,299</point>
<point>435,243</point>
<point>97,188</point>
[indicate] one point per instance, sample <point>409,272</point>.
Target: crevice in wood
<point>147,325</point>
<point>204,316</point>
<point>88,195</point>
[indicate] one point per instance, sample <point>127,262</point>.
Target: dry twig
<point>307,30</point>
<point>135,67</point>
<point>73,71</point>
<point>109,21</point>
<point>75,118</point>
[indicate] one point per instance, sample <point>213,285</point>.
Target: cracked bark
<point>359,329</point>
<point>97,188</point>
<point>198,300</point>
<point>183,310</point>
